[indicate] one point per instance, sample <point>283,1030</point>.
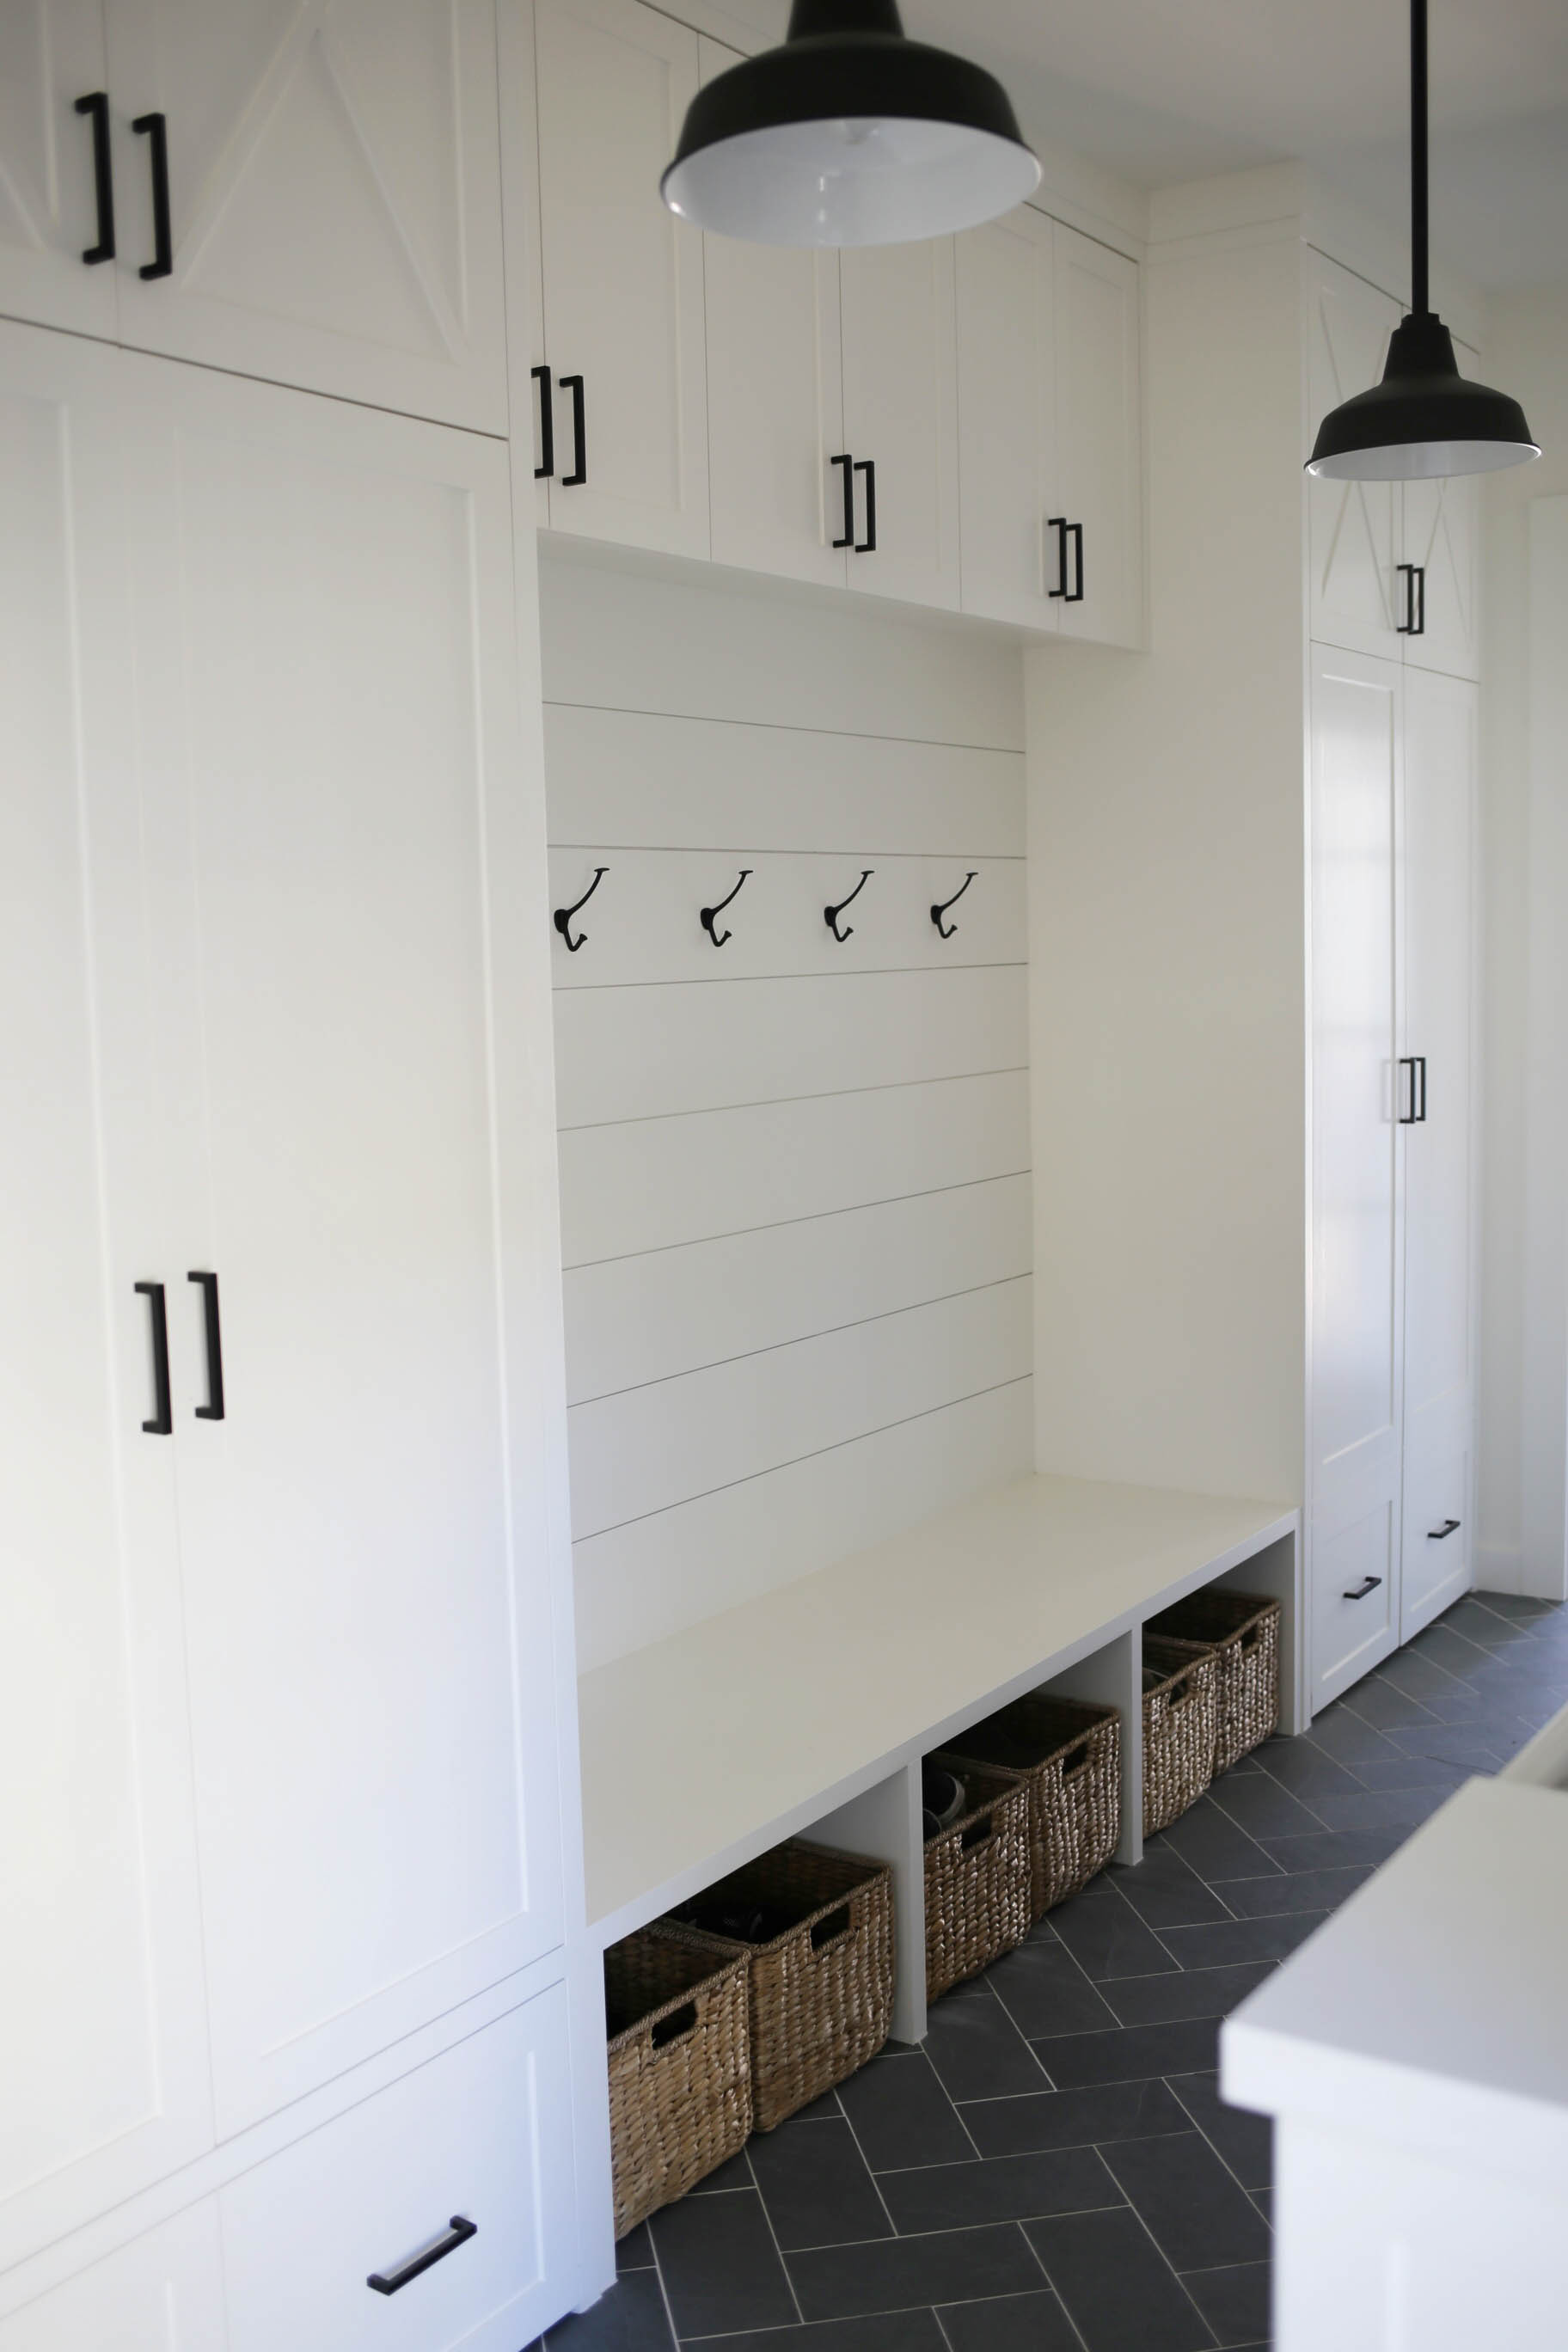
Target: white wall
<point>1525,1165</point>
<point>1166,930</point>
<point>795,1175</point>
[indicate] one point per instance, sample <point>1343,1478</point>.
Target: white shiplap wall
<point>795,1175</point>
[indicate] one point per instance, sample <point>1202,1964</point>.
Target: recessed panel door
<point>900,379</point>
<point>1100,437</point>
<point>1440,527</point>
<point>1358,1254</point>
<point>1012,557</point>
<point>1440,820</point>
<point>56,191</point>
<point>1355,599</point>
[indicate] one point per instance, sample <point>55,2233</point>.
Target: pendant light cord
<point>1420,302</point>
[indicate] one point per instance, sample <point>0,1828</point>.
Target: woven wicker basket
<point>1070,1755</point>
<point>1243,1629</point>
<point>821,1989</point>
<point>680,2073</point>
<point>1180,1712</point>
<point>977,1876</point>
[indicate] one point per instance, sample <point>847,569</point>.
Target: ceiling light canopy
<point>849,134</point>
<point>1425,419</point>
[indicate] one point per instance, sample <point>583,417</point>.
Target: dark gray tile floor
<point>1052,2170</point>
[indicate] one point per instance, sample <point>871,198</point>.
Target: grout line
<point>778,2250</point>
<point>811,1217</point>
<point>960,2229</point>
<point>786,726</point>
<point>1061,2299</point>
<point>1170,2082</point>
<point>777,1102</point>
<point>855,2141</point>
<point>727,1486</point>
<point>803,1339</point>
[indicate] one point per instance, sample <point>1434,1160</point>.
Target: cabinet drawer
<point>483,2132</point>
<point>1354,1594</point>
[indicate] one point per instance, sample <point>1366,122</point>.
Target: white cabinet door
<point>1351,527</point>
<point>162,2293</point>
<point>1440,821</point>
<point>335,195</point>
<point>105,2070</point>
<point>775,401</point>
<point>1100,439</point>
<point>482,2133</point>
<point>1441,534</point>
<point>326,650</point>
<point>1358,1255</point>
<point>622,278</point>
<point>900,400</point>
<point>51,55</point>
<point>1007,420</point>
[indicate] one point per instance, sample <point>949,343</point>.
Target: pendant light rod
<point>1420,292</point>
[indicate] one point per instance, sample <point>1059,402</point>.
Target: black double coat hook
<point>830,913</point>
<point>564,914</point>
<point>946,930</point>
<point>706,915</point>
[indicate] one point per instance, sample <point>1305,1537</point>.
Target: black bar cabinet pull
<point>96,103</point>
<point>867,546</point>
<point>162,1422</point>
<point>1077,595</point>
<point>213,1409</point>
<point>1413,624</point>
<point>1060,525</point>
<point>848,462</point>
<point>573,384</point>
<point>155,128</point>
<point>546,424</point>
<point>1416,1066</point>
<point>1368,1584</point>
<point>1441,1535</point>
<point>459,2232</point>
<point>1420,629</point>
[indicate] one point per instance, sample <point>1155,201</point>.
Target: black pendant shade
<point>1425,419</point>
<point>849,134</point>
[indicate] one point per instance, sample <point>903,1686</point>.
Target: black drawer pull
<point>155,128</point>
<point>1368,1584</point>
<point>213,1409</point>
<point>96,103</point>
<point>1441,1535</point>
<point>162,1422</point>
<point>459,2232</point>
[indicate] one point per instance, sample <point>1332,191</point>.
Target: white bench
<point>808,1710</point>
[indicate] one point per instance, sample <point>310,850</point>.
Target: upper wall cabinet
<point>1051,430</point>
<point>1439,523</point>
<point>307,193</point>
<point>901,420</point>
<point>620,401</point>
<point>56,199</point>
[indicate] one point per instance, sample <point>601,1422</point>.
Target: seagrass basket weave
<point>681,2072</point>
<point>977,1876</point>
<point>1243,1629</point>
<point>816,1929</point>
<point>1180,1712</point>
<point>1070,1755</point>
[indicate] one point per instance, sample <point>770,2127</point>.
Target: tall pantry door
<point>1358,1241</point>
<point>105,2077</point>
<point>325,635</point>
<point>1355,595</point>
<point>1440,826</point>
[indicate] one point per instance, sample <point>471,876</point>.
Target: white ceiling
<point>1159,90</point>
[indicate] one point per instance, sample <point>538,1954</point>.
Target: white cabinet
<point>1440,536</point>
<point>900,421</point>
<point>775,401</point>
<point>100,1970</point>
<point>54,203</point>
<point>620,326</point>
<point>1357,1203</point>
<point>470,2153</point>
<point>1050,426</point>
<point>161,2293</point>
<point>1353,527</point>
<point>1440,864</point>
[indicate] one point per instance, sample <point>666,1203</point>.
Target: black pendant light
<point>1425,419</point>
<point>849,134</point>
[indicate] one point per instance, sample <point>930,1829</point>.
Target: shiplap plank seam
<point>785,727</point>
<point>775,1102</point>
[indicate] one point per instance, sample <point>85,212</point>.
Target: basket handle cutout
<point>829,1930</point>
<point>977,1832</point>
<point>675,2026</point>
<point>1251,1638</point>
<point>1076,1771</point>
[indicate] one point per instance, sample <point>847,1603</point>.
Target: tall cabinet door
<point>101,1978</point>
<point>335,195</point>
<point>621,277</point>
<point>775,400</point>
<point>1008,419</point>
<point>1100,437</point>
<point>365,1564</point>
<point>51,55</point>
<point>901,401</point>
<point>1440,828</point>
<point>1440,524</point>
<point>1358,1254</point>
<point>1351,527</point>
